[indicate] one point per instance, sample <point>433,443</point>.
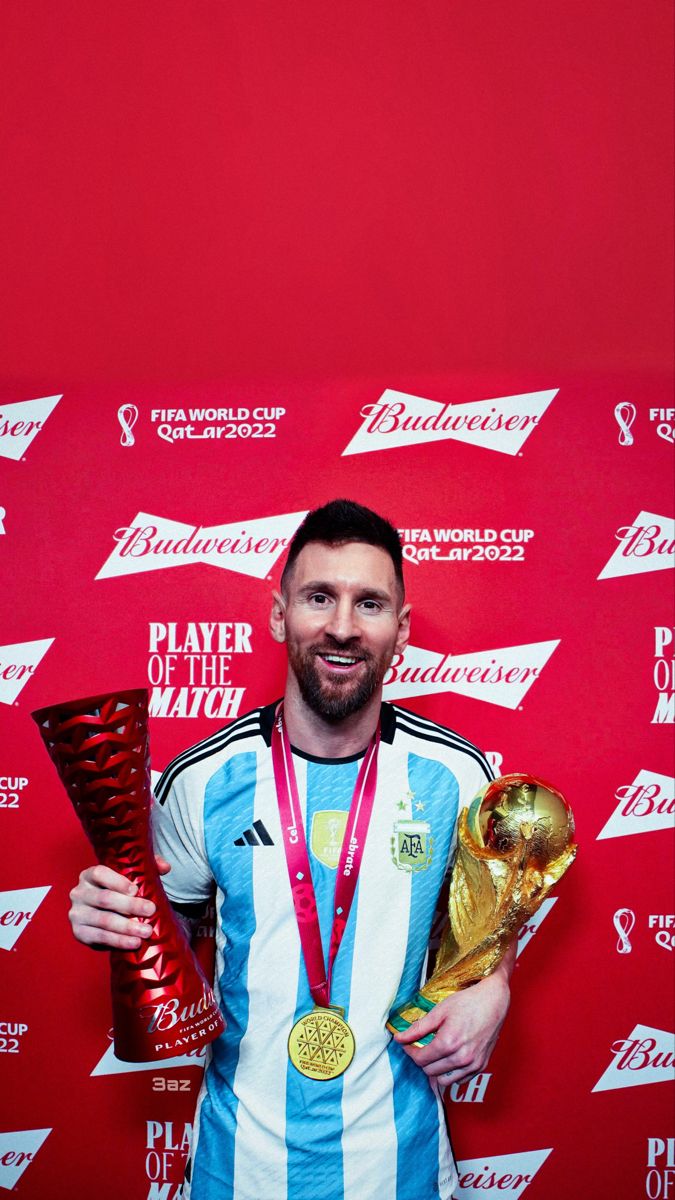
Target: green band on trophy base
<point>398,1022</point>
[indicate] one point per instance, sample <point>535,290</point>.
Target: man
<point>379,789</point>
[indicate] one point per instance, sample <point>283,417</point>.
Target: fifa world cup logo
<point>624,920</point>
<point>127,415</point>
<point>625,415</point>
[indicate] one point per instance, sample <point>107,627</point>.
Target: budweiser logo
<point>17,1151</point>
<point>398,419</point>
<point>161,1017</point>
<point>527,932</point>
<point>500,1175</point>
<point>647,544</point>
<point>156,543</point>
<point>646,804</point>
<point>17,664</point>
<point>498,676</point>
<point>20,423</point>
<point>17,909</point>
<point>645,1056</point>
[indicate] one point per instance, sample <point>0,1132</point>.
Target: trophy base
<point>403,1017</point>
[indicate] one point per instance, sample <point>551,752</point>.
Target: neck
<point>312,734</point>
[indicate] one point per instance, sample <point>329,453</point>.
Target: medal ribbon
<point>297,857</point>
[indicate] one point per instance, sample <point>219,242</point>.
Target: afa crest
<point>412,845</point>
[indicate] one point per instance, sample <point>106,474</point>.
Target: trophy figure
<point>515,841</point>
<point>162,1003</point>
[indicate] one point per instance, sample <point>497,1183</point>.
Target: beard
<point>339,698</point>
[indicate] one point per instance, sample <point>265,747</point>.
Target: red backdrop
<point>277,213</point>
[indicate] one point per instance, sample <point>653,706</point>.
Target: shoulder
<point>248,732</point>
<point>425,735</point>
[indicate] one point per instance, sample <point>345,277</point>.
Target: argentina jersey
<point>262,1130</point>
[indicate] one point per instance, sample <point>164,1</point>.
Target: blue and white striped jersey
<point>262,1130</point>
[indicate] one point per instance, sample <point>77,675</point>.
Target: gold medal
<point>321,1044</point>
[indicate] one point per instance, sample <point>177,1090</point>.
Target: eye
<point>319,600</point>
<point>370,606</point>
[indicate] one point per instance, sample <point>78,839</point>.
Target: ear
<point>277,625</point>
<point>403,628</point>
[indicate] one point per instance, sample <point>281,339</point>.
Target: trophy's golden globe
<point>514,842</point>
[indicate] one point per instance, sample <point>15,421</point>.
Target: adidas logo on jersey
<point>256,836</point>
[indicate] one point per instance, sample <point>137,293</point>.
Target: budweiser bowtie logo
<point>645,1056</point>
<point>398,419</point>
<point>492,1178</point>
<point>499,676</point>
<point>17,1151</point>
<point>648,544</point>
<point>646,804</point>
<point>17,663</point>
<point>21,422</point>
<point>155,543</point>
<point>17,909</point>
<point>528,931</point>
<point>109,1064</point>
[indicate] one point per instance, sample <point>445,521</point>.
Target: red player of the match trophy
<point>162,1003</point>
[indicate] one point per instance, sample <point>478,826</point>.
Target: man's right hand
<point>106,911</point>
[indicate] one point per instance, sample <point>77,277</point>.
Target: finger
<point>441,1066</point>
<point>105,877</point>
<point>103,939</point>
<point>460,1075</point>
<point>443,1044</point>
<point>88,895</point>
<point>86,918</point>
<point>449,1065</point>
<point>162,865</point>
<point>441,1063</point>
<point>419,1029</point>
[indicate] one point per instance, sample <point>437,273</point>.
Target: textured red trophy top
<point>100,748</point>
<point>162,1004</point>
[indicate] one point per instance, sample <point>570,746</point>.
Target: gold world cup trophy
<point>515,841</point>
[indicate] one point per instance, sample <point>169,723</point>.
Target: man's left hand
<point>465,1025</point>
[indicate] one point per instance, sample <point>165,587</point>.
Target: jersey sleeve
<point>178,835</point>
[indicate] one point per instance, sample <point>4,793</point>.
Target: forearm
<point>508,962</point>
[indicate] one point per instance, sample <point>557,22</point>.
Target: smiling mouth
<point>341,661</point>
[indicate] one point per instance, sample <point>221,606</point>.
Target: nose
<point>342,624</point>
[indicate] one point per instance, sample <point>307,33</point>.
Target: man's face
<point>342,623</point>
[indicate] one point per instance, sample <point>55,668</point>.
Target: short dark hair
<point>342,521</point>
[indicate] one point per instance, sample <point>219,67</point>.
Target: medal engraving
<point>321,1044</point>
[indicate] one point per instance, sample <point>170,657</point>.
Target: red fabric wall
<point>292,209</point>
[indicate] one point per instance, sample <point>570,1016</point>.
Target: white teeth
<point>339,659</point>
